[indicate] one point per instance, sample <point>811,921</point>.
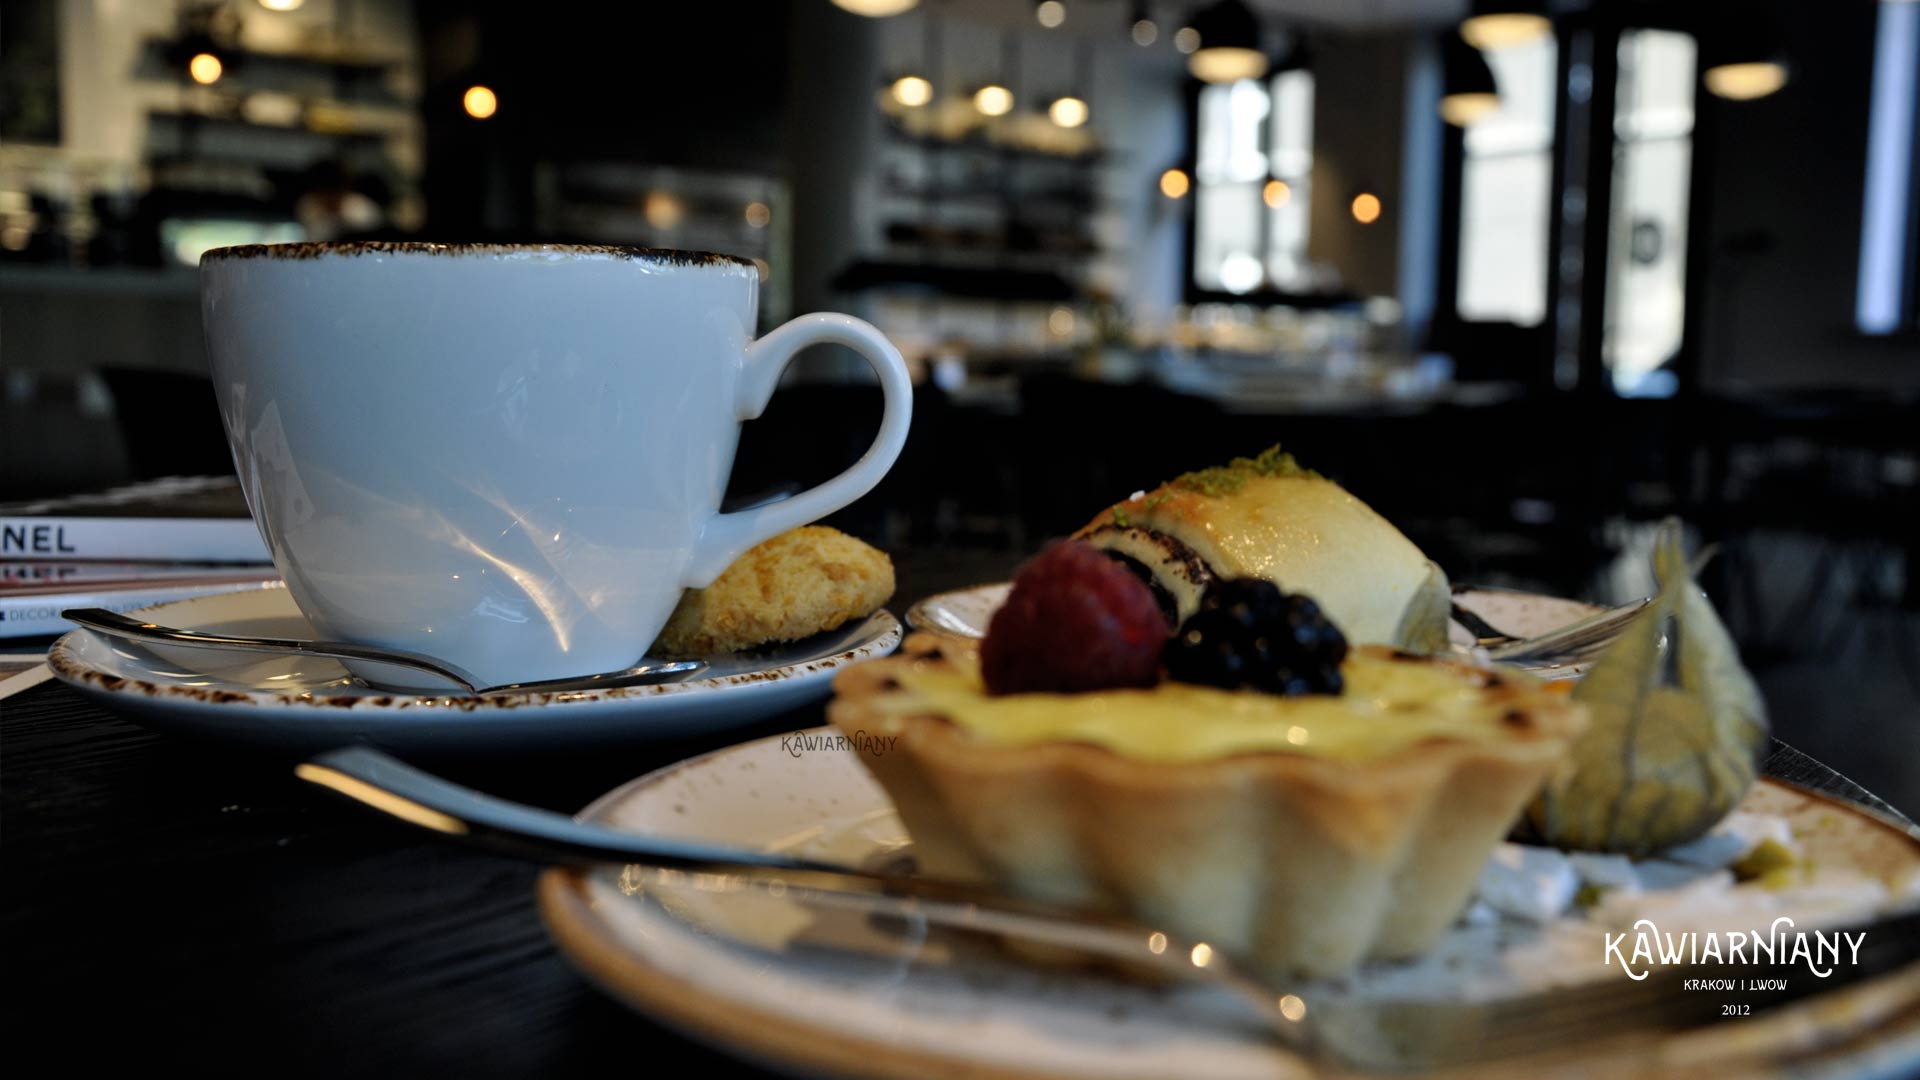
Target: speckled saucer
<point>306,704</point>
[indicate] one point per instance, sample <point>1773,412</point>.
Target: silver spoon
<point>1573,643</point>
<point>117,625</point>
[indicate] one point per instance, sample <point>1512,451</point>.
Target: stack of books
<point>132,547</point>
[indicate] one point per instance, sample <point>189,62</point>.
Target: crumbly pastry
<point>1304,834</point>
<point>795,585</point>
<point>1266,517</point>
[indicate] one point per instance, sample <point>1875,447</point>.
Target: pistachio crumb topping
<point>1216,481</point>
<point>1767,863</point>
<point>1212,482</point>
<point>1231,477</point>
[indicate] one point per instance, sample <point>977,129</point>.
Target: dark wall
<point>1788,175</point>
<point>691,84</point>
<point>831,146</point>
<point>1359,103</point>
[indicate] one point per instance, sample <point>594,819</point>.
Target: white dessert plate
<point>966,612</point>
<point>897,1004</point>
<point>306,703</point>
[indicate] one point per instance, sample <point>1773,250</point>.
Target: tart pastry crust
<point>1299,863</point>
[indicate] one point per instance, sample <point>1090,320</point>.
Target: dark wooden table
<point>166,902</point>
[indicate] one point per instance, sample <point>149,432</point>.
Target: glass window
<point>1254,159</point>
<point>1286,192</point>
<point>1886,231</point>
<point>1647,238</point>
<point>1231,116</point>
<point>1506,176</point>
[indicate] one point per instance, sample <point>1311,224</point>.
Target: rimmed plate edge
<point>1885,1006</point>
<point>70,669</point>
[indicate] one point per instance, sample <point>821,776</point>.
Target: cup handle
<point>727,536</point>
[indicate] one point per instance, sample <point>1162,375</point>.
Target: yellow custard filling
<point>1389,704</point>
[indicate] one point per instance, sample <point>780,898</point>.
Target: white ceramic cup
<point>510,458</point>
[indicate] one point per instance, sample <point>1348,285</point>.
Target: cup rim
<point>314,249</point>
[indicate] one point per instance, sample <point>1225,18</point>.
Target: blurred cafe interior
<point>1529,277</point>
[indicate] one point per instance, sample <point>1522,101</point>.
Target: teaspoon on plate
<point>1574,643</point>
<point>114,624</point>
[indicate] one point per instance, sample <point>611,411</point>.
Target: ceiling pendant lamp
<point>1496,24</point>
<point>1743,53</point>
<point>1747,80</point>
<point>205,68</point>
<point>1229,44</point>
<point>993,99</point>
<point>1469,92</point>
<point>911,91</point>
<point>876,9</point>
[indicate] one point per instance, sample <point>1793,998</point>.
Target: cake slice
<point>1267,517</point>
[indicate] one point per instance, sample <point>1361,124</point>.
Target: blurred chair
<point>1816,496</point>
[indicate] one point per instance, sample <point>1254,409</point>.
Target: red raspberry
<point>1076,620</point>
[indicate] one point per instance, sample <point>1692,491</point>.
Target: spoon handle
<point>386,784</point>
<point>1485,634</point>
<point>118,625</point>
<point>391,786</point>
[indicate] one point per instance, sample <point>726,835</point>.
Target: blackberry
<point>1249,633</point>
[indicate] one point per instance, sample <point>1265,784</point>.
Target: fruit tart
<point>1267,517</point>
<point>1246,779</point>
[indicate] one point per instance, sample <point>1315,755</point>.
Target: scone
<point>1302,834</point>
<point>1267,517</point>
<point>795,585</point>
